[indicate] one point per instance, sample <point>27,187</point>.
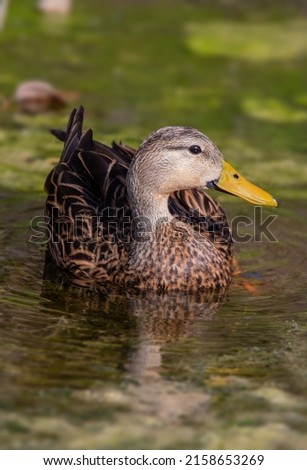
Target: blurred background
<point>74,377</point>
<point>234,69</point>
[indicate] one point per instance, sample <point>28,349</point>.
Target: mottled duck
<point>140,218</point>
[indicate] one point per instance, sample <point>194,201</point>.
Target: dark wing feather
<point>195,207</point>
<point>80,188</point>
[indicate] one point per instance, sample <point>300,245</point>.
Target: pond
<point>121,370</point>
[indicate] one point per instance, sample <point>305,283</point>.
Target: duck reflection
<point>128,332</point>
<point>145,321</point>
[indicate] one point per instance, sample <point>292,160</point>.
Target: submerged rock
<point>38,96</point>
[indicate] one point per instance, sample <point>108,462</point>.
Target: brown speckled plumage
<point>133,217</point>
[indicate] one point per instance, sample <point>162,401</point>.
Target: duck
<point>142,218</point>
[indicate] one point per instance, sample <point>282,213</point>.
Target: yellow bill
<point>232,182</point>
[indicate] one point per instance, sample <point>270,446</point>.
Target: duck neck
<point>149,208</point>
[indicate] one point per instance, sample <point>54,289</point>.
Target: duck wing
<point>87,204</point>
<point>90,167</point>
<point>207,217</point>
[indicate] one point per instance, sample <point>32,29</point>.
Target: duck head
<point>174,158</point>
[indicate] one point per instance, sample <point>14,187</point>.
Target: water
<point>120,370</point>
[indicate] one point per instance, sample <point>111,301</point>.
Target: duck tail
<point>72,135</point>
<point>74,142</point>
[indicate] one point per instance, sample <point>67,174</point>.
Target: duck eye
<point>195,149</point>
